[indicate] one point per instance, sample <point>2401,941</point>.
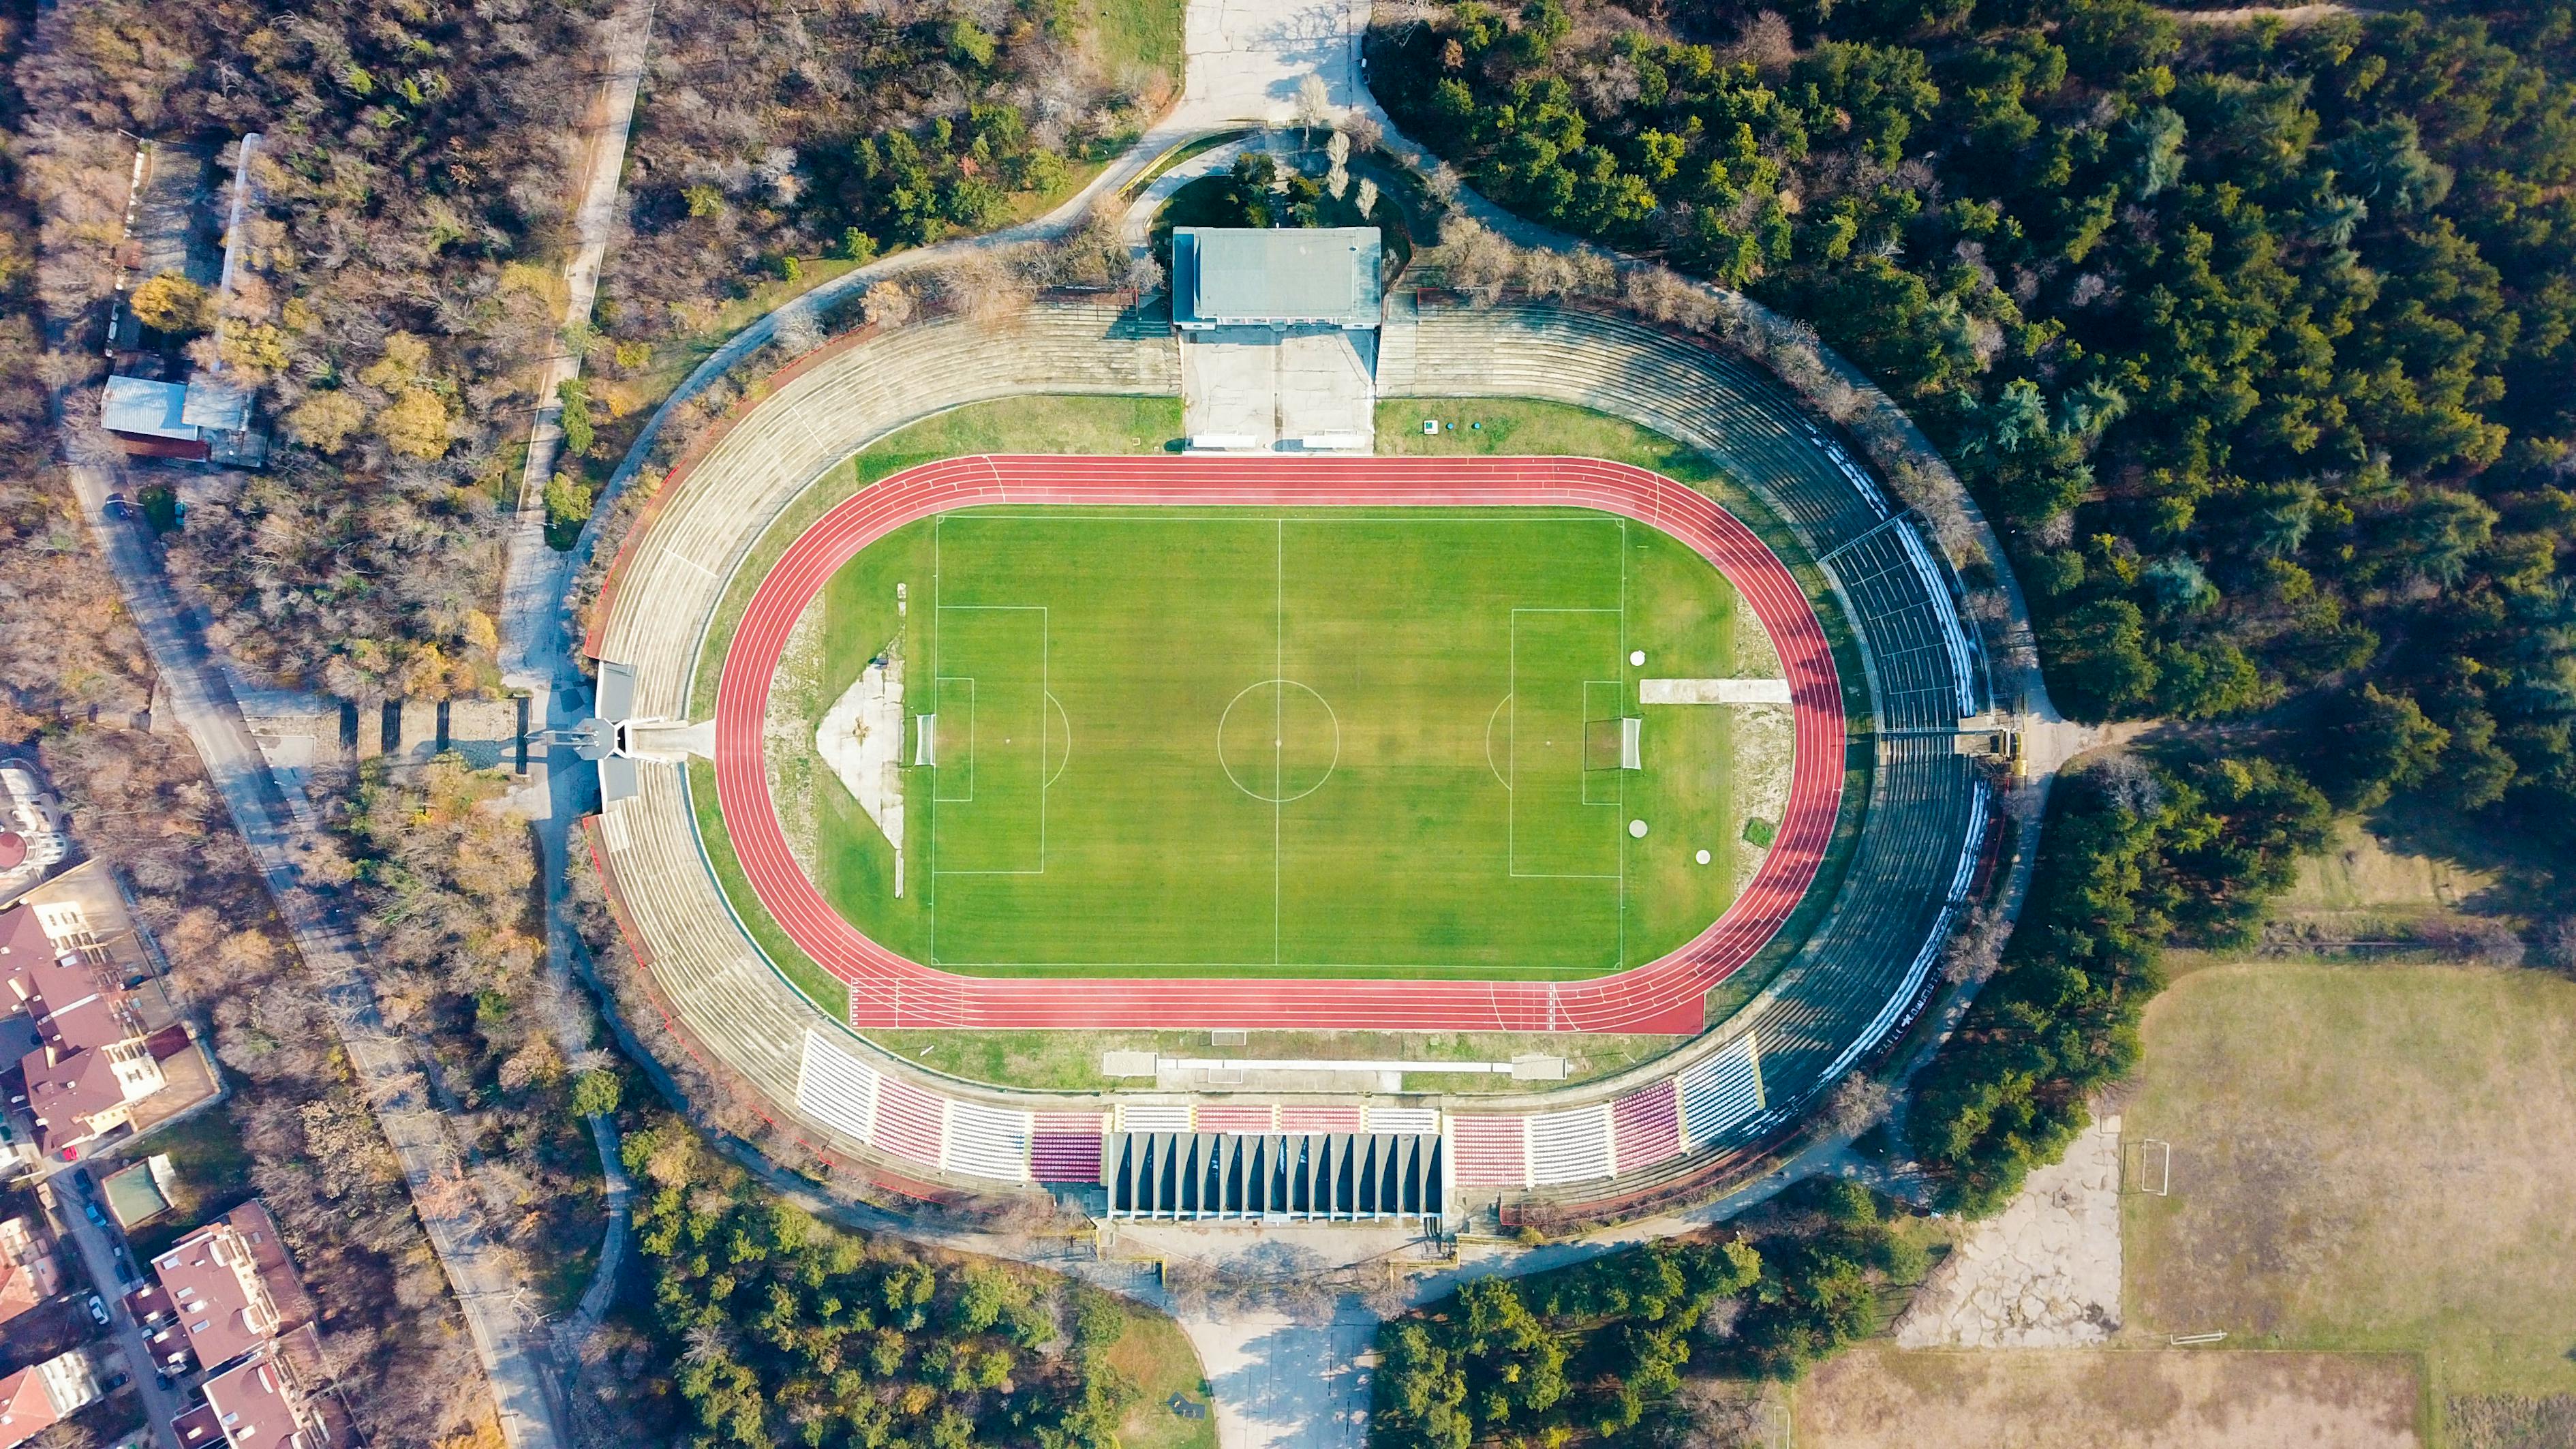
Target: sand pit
<point>861,738</point>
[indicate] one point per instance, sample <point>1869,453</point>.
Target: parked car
<point>118,506</point>
<point>98,1310</point>
<point>96,1217</point>
<point>113,1382</point>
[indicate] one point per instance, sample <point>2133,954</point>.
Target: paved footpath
<point>536,652</point>
<point>484,1274</point>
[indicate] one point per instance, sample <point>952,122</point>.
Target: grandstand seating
<point>1841,994</point>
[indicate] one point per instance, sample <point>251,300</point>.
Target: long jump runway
<point>1665,995</point>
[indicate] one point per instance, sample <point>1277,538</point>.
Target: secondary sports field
<point>1274,742</point>
<point>893,984</point>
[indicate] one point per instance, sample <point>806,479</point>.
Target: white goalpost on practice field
<point>2153,1176</point>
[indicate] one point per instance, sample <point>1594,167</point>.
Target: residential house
<point>97,1044</point>
<point>229,1289</point>
<point>92,1061</point>
<point>29,1272</point>
<point>34,1399</point>
<point>256,1404</point>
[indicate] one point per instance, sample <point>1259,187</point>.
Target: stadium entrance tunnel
<point>1276,1177</point>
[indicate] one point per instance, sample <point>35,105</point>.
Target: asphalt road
<point>484,1275</point>
<point>98,1255</point>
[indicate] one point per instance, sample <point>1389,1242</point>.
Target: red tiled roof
<point>64,995</point>
<point>204,1273</point>
<point>198,1427</point>
<point>25,1409</point>
<point>286,1292</point>
<point>23,943</point>
<point>18,1291</point>
<point>138,446</point>
<point>258,1408</point>
<point>64,1091</point>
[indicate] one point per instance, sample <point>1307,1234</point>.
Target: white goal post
<point>2155,1166</point>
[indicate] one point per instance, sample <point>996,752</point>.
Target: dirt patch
<point>2292,16</point>
<point>2104,1399</point>
<point>2043,1273</point>
<point>2359,892</point>
<point>861,741</point>
<point>795,703</point>
<point>1765,742</point>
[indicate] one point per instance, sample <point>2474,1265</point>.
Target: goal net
<point>1613,744</point>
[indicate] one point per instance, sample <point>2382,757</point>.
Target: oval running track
<point>1664,996</point>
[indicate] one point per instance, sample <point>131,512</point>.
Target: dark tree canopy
<point>2258,342</point>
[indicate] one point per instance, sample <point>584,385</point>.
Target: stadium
<point>1293,753</point>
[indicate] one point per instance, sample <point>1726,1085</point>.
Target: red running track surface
<point>889,990</point>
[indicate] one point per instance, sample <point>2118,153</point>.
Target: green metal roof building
<point>1252,277</point>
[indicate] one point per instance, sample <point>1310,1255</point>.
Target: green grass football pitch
<point>1329,742</point>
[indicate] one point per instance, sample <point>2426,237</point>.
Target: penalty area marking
<point>1067,721</point>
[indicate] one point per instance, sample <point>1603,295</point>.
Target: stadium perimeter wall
<point>1862,975</point>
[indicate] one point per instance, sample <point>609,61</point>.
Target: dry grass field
<point>2358,875</point>
<point>2367,1158</point>
<point>2367,897</point>
<point>2108,1399</point>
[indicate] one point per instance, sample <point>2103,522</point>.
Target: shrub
<point>171,303</point>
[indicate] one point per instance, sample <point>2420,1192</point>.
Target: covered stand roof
<point>1246,277</point>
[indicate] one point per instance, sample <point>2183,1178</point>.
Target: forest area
<point>402,268</point>
<point>779,145</point>
<point>781,1328</point>
<point>76,691</point>
<point>2256,341</point>
<point>1657,1345</point>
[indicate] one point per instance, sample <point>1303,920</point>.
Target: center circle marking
<point>1287,704</point>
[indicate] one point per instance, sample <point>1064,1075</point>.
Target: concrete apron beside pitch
<point>1286,390</point>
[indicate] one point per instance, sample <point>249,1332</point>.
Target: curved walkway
<point>1244,67</point>
<point>888,989</point>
